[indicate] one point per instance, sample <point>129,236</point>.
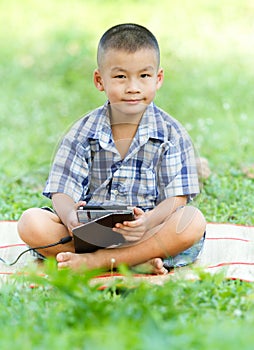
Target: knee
<point>199,224</point>
<point>191,221</point>
<point>27,223</point>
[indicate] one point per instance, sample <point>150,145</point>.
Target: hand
<point>72,218</point>
<point>133,230</point>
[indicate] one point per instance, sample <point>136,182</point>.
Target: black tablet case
<point>98,234</point>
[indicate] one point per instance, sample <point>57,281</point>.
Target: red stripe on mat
<point>8,220</point>
<point>229,238</point>
<point>230,263</point>
<point>13,245</point>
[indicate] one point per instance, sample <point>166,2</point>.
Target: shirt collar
<point>150,125</point>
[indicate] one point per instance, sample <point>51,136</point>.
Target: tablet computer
<point>89,213</point>
<point>97,234</point>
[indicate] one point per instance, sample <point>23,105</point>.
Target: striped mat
<point>228,249</point>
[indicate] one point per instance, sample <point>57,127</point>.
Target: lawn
<point>48,51</point>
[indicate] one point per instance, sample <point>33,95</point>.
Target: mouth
<point>133,101</point>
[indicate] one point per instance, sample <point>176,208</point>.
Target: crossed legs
<point>185,227</point>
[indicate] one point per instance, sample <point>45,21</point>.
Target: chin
<point>134,109</point>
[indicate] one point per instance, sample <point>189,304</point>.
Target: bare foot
<point>154,266</point>
<point>74,261</point>
<point>157,266</point>
<point>89,261</point>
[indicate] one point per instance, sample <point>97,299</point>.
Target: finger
<point>122,226</point>
<point>125,228</point>
<point>80,204</point>
<point>134,223</point>
<point>120,230</point>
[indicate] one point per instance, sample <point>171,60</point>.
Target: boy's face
<point>130,80</point>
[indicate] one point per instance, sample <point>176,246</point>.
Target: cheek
<point>113,90</point>
<point>152,89</point>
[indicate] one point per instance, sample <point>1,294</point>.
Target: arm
<point>164,210</point>
<point>66,209</point>
<point>144,222</point>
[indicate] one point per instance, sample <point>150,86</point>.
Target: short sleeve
<point>178,172</point>
<point>69,172</point>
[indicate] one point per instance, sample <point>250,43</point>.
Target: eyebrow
<point>120,69</point>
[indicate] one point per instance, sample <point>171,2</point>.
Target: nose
<point>132,86</point>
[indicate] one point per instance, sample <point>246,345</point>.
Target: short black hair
<point>128,37</point>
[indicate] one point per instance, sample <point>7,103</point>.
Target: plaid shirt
<point>160,162</point>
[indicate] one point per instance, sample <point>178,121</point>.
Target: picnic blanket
<point>228,249</point>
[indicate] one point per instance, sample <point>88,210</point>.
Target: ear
<point>160,78</point>
<point>97,79</point>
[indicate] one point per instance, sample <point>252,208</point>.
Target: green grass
<point>64,310</point>
<point>47,59</point>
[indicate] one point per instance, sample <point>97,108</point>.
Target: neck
<point>116,117</point>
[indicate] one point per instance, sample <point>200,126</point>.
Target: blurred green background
<point>48,54</point>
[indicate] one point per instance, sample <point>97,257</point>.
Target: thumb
<point>137,211</point>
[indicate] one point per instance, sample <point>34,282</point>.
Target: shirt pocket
<point>147,183</point>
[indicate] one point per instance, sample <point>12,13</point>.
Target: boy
<point>126,152</point>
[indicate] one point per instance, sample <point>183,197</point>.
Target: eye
<point>120,76</point>
<point>145,75</point>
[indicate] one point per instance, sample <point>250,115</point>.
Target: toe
<point>62,265</point>
<point>62,257</point>
<point>158,266</point>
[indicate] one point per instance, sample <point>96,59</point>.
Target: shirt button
<point>115,192</point>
